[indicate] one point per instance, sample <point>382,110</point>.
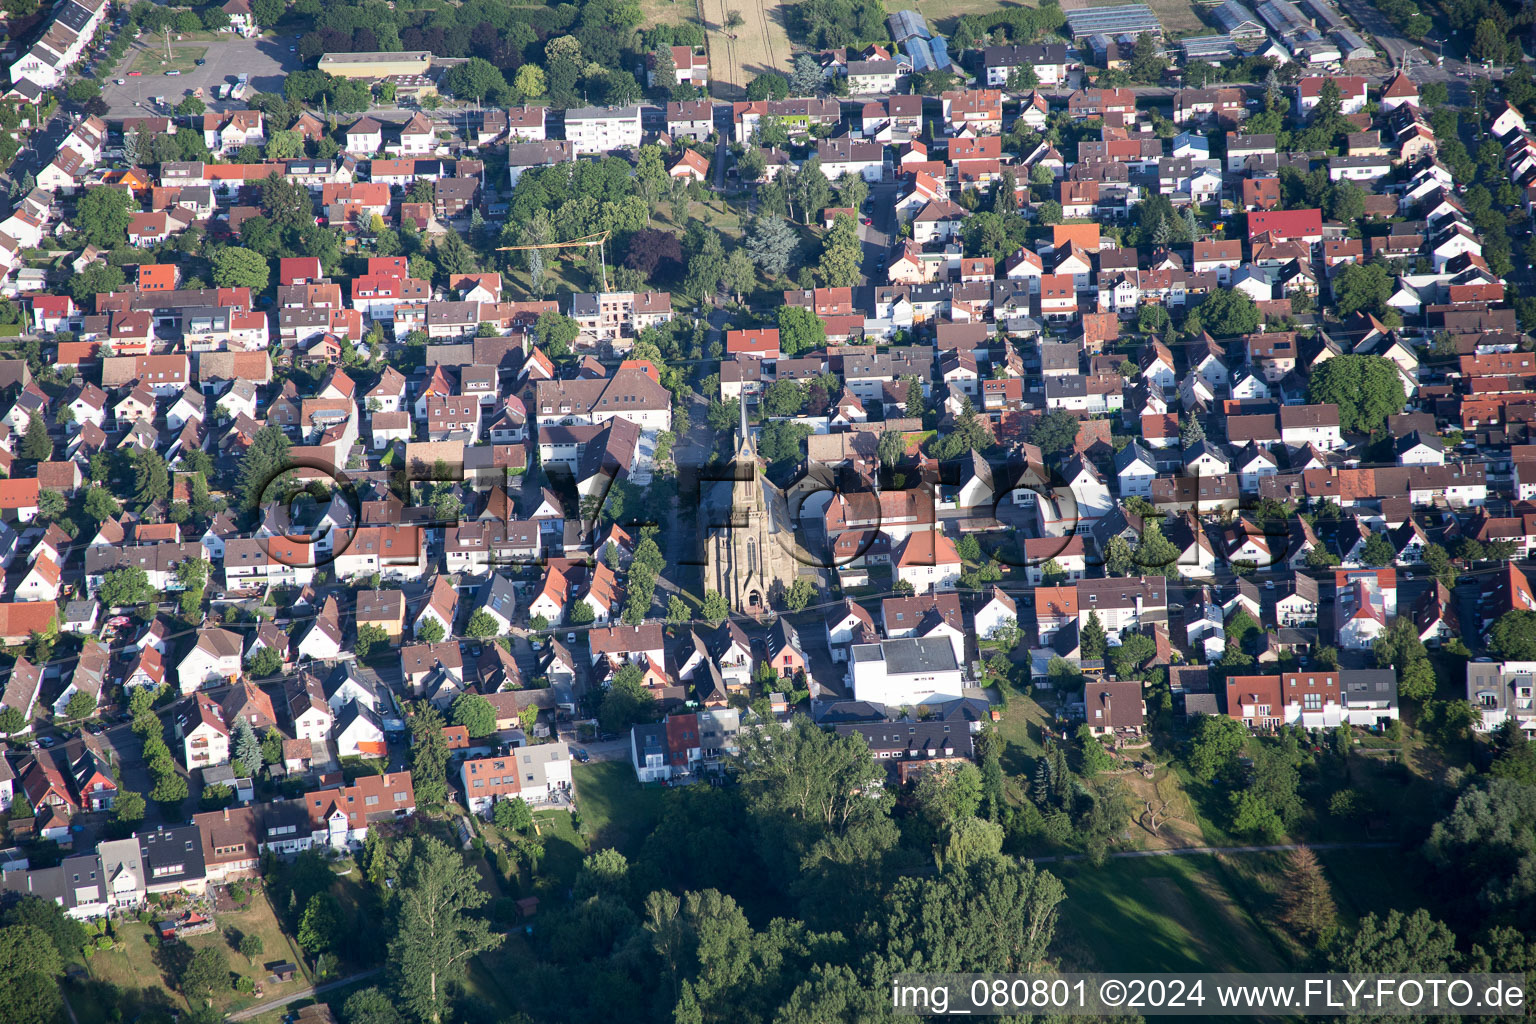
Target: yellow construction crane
<point>584,242</point>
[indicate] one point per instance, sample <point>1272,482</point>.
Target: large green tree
<point>1224,313</point>
<point>429,756</point>
<point>474,713</point>
<point>103,215</point>
<point>263,462</point>
<point>436,931</point>
<point>234,267</point>
<point>1367,389</point>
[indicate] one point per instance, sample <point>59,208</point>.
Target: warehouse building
<point>376,65</point>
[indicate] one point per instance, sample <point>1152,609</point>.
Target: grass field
<point>615,809</point>
<point>760,43</point>
<point>668,12</point>
<point>564,851</point>
<point>1162,914</point>
<point>152,61</point>
<point>140,964</point>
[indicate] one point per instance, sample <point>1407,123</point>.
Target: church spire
<point>744,446</point>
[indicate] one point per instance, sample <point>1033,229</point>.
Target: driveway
<point>267,61</point>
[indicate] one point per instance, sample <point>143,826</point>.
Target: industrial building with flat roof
<point>376,64</point>
<point>1128,19</point>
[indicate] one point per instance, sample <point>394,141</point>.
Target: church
<point>749,559</point>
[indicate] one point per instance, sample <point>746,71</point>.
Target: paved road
<point>260,1008</point>
<point>1191,851</point>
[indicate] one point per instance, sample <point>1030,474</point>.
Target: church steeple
<point>745,449</point>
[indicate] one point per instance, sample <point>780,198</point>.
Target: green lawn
<point>143,971</point>
<point>1022,728</point>
<point>564,850</point>
<point>1161,914</point>
<point>615,809</point>
<point>183,58</point>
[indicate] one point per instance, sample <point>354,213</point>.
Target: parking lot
<point>267,61</point>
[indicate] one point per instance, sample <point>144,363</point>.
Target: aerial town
<point>626,510</point>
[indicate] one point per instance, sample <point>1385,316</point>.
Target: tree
<point>263,462</point>
<point>128,808</point>
<point>809,796</point>
<point>768,85</point>
<point>1156,555</point>
<point>12,720</point>
<point>513,815</point>
<point>126,586</point>
<point>51,505</point>
<point>234,267</point>
<point>1092,641</point>
<point>35,443</point>
<point>799,594</point>
<point>476,78</point>
<point>1377,551</point>
<point>81,705</point>
<point>1224,313</point>
<point>1401,944</point>
<point>251,946</point>
<point>429,756</point>
<point>30,964</point>
<point>318,926</point>
<point>1306,901</point>
<point>435,934</point>
<point>474,713</point>
<point>1095,758</point>
<point>103,215</point>
<point>267,662</point>
<point>806,78</point>
<point>891,448</point>
<point>1218,741</point>
<point>482,624</point>
<point>1054,432</point>
<point>1118,558</point>
<point>206,972</point>
<point>100,505</point>
<point>627,700</point>
<point>1191,430</point>
<point>373,1005</point>
<point>784,398</point>
<point>1366,389</point>
<point>1363,287</point>
<point>800,330</point>
<point>915,407</point>
<point>842,254</point>
<point>1513,635</point>
<point>715,610</point>
<point>430,631</point>
<point>246,747</point>
<point>96,278</point>
<point>1490,42</point>
<point>271,745</point>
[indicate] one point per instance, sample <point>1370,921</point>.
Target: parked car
<point>135,74</point>
<point>173,71</point>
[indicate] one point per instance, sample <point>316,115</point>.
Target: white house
<point>214,660</point>
<point>916,670</point>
